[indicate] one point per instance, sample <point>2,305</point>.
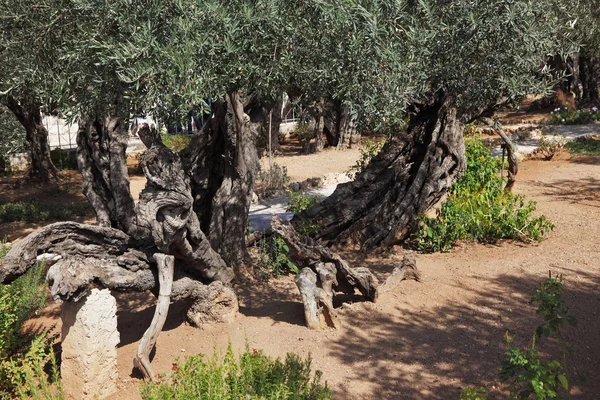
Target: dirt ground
<point>423,340</point>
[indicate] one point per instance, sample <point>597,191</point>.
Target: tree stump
<point>89,346</point>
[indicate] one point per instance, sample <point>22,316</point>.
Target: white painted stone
<point>89,346</point>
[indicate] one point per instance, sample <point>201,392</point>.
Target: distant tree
<point>30,32</point>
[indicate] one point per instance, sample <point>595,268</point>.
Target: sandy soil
<point>424,340</point>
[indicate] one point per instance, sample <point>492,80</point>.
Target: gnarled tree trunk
<point>101,146</point>
<point>28,113</point>
<point>222,162</point>
<point>348,135</point>
<point>409,176</point>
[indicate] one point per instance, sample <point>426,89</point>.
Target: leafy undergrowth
<point>250,376</point>
<point>567,116</point>
<point>479,209</point>
<point>36,212</point>
<point>26,353</point>
<point>585,147</point>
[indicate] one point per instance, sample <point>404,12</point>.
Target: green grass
<point>37,212</point>
<point>587,147</point>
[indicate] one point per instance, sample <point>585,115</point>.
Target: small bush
<point>300,201</point>
<point>272,257</point>
<point>63,159</point>
<point>251,376</point>
<point>479,209</point>
<point>584,147</point>
<point>176,142</point>
<point>271,181</point>
<point>567,116</point>
<point>25,353</point>
<point>549,147</point>
<point>368,149</point>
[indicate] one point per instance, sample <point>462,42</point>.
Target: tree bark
<point>590,75</point>
<point>101,146</point>
<point>221,163</point>
<point>41,168</point>
<point>166,265</point>
<point>410,175</point>
<point>348,135</point>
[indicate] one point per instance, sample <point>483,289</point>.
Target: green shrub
<point>272,257</point>
<point>584,147</point>
<point>479,209</point>
<point>176,142</point>
<point>251,376</point>
<point>25,352</point>
<point>566,116</point>
<point>36,212</point>
<point>271,181</point>
<point>300,201</point>
<point>63,159</point>
<point>549,147</point>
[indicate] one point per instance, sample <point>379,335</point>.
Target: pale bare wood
<point>406,270</point>
<point>513,162</point>
<point>166,265</point>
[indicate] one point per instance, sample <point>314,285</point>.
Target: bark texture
<point>221,163</point>
<point>141,361</point>
<point>409,176</point>
<point>28,113</point>
<point>101,145</point>
<point>406,270</point>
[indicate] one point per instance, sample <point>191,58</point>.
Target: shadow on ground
<point>403,356</point>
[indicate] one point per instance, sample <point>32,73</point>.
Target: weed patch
<point>252,375</point>
<point>585,147</point>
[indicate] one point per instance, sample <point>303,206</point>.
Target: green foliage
<point>479,209</point>
<point>585,147</point>
<point>36,212</point>
<point>470,393</point>
<point>25,353</point>
<point>12,137</point>
<point>300,201</point>
<point>525,373</point>
<point>271,181</point>
<point>272,257</point>
<point>309,228</point>
<point>549,147</point>
<point>4,248</point>
<point>528,375</point>
<point>250,376</point>
<point>176,142</point>
<point>566,116</point>
<point>63,159</point>
<point>552,307</point>
<point>368,149</point>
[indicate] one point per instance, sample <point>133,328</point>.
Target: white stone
<point>89,346</point>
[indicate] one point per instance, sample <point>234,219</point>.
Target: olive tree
<point>29,33</point>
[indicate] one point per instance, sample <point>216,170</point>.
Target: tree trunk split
<point>408,177</point>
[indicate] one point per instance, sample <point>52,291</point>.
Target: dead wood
<point>113,253</point>
<point>307,252</point>
<point>406,270</point>
<point>141,361</point>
